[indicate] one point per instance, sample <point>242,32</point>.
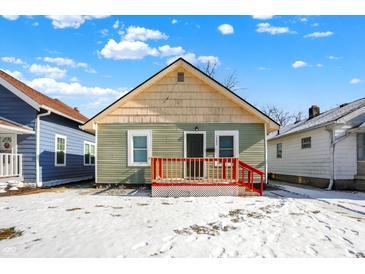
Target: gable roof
<point>40,100</point>
<point>334,115</point>
<point>14,126</point>
<point>180,62</point>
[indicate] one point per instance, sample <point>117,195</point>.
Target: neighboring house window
<point>89,153</point>
<point>306,142</point>
<point>279,150</point>
<point>60,150</point>
<point>226,143</point>
<point>361,147</point>
<point>139,147</point>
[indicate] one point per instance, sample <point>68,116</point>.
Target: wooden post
<point>224,168</point>
<point>160,168</point>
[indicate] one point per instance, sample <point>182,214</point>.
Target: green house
<point>179,126</point>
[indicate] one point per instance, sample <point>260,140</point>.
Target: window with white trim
<point>361,146</point>
<point>279,150</point>
<point>139,147</point>
<point>226,143</point>
<point>60,150</point>
<point>89,154</point>
<point>306,142</point>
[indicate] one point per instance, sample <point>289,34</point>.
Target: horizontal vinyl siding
<point>346,158</point>
<point>311,162</point>
<point>50,126</point>
<point>15,109</point>
<point>167,141</point>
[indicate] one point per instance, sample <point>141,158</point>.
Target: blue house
<point>41,142</point>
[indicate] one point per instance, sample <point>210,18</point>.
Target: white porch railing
<point>10,165</point>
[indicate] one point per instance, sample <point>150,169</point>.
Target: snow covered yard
<point>286,222</point>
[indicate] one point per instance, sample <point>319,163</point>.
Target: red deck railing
<point>206,171</point>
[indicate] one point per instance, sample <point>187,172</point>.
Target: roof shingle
<point>42,99</point>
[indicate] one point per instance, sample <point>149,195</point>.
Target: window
<point>226,143</point>
<point>306,142</point>
<point>89,153</point>
<point>180,77</point>
<point>279,150</point>
<point>139,147</point>
<point>60,150</point>
<point>361,146</point>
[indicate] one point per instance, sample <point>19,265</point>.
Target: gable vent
<point>180,77</point>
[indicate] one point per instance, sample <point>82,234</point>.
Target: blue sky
<point>289,61</point>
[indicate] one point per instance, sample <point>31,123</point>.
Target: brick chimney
<point>77,109</point>
<point>313,111</point>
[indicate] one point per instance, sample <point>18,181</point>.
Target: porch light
<point>196,128</point>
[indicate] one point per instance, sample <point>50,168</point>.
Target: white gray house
<point>325,150</point>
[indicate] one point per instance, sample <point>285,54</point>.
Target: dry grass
<point>74,209</point>
<point>9,233</point>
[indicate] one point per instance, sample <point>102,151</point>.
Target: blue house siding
<point>15,109</point>
<point>55,124</point>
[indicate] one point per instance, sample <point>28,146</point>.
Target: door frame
<point>14,136</point>
<point>204,148</point>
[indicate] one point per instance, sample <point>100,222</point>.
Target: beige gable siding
<point>169,101</point>
<point>167,141</point>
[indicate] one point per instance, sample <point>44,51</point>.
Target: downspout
<point>332,153</point>
<point>38,128</point>
<point>96,153</point>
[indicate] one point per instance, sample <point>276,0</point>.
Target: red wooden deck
<point>204,172</point>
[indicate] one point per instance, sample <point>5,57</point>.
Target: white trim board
<point>204,148</point>
<point>55,150</point>
<point>131,134</point>
<point>235,134</point>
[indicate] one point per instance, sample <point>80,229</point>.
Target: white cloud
<point>14,60</point>
<point>61,61</point>
<point>135,33</point>
<point>127,50</point>
<point>355,81</point>
<point>319,65</point>
<point>226,29</point>
<point>331,57</point>
<point>74,79</point>
<point>47,70</point>
<point>174,21</point>
<point>190,57</point>
<point>318,34</point>
<point>266,27</point>
<point>315,25</point>
<point>104,32</point>
<point>262,17</point>
<point>11,17</point>
<point>263,68</point>
<point>299,64</point>
<point>116,24</point>
<point>16,74</point>
<point>166,50</point>
<point>209,59</point>
<point>303,19</point>
<point>71,21</point>
<point>51,86</point>
<point>193,59</point>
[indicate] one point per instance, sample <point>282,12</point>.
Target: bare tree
<point>297,117</point>
<point>282,117</point>
<point>210,68</point>
<point>231,82</point>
